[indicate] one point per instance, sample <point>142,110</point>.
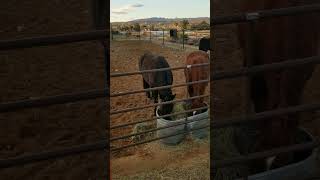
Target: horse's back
<point>204,44</point>
<point>149,61</point>
<point>197,73</point>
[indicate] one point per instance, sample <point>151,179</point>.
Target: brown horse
<point>280,39</point>
<point>197,74</point>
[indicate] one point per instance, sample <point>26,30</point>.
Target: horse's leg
<point>155,99</point>
<point>146,86</point>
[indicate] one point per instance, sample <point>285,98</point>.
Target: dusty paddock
<point>129,162</point>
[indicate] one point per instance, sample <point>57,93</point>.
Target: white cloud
<point>126,9</point>
<point>137,5</point>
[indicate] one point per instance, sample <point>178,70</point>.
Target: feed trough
<point>304,166</point>
<point>198,121</point>
<point>201,133</point>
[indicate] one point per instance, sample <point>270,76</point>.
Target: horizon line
<point>163,18</point>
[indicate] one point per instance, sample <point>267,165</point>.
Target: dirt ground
<point>48,71</point>
<point>124,58</point>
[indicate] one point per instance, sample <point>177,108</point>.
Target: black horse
<point>149,61</point>
<point>204,44</point>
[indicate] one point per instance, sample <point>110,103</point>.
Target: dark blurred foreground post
<point>100,9</point>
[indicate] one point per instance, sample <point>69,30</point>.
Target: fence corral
<point>182,39</point>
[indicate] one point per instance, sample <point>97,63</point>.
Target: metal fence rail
<point>155,105</point>
<point>158,88</point>
<point>60,153</point>
<point>53,100</point>
<point>155,118</point>
<point>157,70</point>
<point>53,39</point>
<point>259,15</point>
<point>265,68</point>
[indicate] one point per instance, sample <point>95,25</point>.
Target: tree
<point>136,27</point>
<point>131,27</point>
<point>151,27</point>
<point>204,25</point>
<point>144,27</point>
<point>184,24</point>
<point>124,28</point>
<point>176,24</point>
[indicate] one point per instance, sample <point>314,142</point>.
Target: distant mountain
<point>168,20</point>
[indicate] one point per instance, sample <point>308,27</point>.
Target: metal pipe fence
<point>157,70</point>
<point>101,145</point>
<point>153,130</point>
<point>53,39</point>
<point>260,15</point>
<point>155,118</point>
<point>12,106</point>
<point>156,104</point>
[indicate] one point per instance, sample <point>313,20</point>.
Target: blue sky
<point>126,10</point>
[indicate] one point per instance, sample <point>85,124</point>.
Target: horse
<point>279,39</point>
<point>204,44</point>
<point>149,61</point>
<point>197,74</point>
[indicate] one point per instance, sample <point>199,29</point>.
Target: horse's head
<point>166,95</point>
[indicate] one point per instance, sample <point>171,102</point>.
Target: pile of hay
<point>142,127</point>
<point>177,108</point>
<point>225,148</point>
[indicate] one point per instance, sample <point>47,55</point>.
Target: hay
<point>178,107</point>
<point>225,148</point>
<point>142,127</point>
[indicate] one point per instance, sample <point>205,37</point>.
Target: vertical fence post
<point>183,39</point>
<point>140,34</point>
<point>150,34</point>
<point>250,55</point>
<point>99,15</point>
<point>111,32</point>
<point>196,34</point>
<point>162,36</point>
